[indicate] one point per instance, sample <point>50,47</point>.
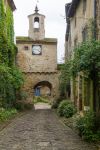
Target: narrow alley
<point>40,129</point>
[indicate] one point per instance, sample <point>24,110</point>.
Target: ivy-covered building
<point>7,48</point>
<point>82,17</point>
<point>10,77</point>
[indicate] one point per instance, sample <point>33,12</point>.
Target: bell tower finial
<point>36,9</point>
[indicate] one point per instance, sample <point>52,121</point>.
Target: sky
<point>55,23</point>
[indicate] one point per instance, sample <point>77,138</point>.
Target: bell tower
<point>36,25</point>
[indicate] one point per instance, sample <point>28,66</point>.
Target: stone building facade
<point>37,58</point>
<point>98,18</point>
<point>79,15</point>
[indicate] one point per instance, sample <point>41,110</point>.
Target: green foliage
<point>59,66</point>
<point>87,127</point>
<point>87,58</point>
<point>10,77</point>
<point>7,47</point>
<point>22,106</point>
<point>22,95</point>
<point>10,80</point>
<point>17,77</point>
<point>56,103</point>
<point>66,109</point>
<point>40,99</point>
<point>6,114</point>
<point>64,78</point>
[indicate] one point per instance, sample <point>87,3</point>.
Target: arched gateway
<point>37,58</point>
<point>43,88</point>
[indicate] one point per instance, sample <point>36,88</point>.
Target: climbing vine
<point>11,78</point>
<point>65,77</point>
<point>3,35</point>
<point>86,60</point>
<point>7,47</point>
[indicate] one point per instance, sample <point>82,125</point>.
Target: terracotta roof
<point>12,4</point>
<point>70,9</point>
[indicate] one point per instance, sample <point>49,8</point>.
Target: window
<point>36,22</point>
<point>84,34</point>
<point>26,48</point>
<point>84,6</point>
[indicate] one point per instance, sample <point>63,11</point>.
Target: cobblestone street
<point>40,130</point>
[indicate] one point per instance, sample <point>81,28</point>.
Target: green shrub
<point>28,106</point>
<point>6,114</point>
<point>23,95</point>
<point>56,103</point>
<point>66,109</point>
<point>69,110</point>
<point>21,106</point>
<point>87,127</point>
<point>11,80</point>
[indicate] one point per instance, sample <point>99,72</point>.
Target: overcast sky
<point>55,23</point>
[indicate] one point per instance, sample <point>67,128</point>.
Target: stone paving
<point>40,130</point>
<point>42,106</point>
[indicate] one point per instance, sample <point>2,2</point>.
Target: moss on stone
<point>23,38</point>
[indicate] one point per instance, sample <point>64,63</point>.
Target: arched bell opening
<point>36,23</point>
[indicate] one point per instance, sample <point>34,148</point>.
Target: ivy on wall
<point>86,60</point>
<point>11,78</point>
<point>65,77</point>
<point>3,35</point>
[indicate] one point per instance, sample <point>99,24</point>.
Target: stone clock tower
<point>36,25</point>
<point>37,58</point>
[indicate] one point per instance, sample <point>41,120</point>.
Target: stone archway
<point>43,88</point>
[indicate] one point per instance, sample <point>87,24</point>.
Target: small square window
<point>26,47</point>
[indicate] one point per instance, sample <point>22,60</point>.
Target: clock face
<point>36,49</point>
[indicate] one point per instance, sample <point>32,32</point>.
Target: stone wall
<point>32,79</point>
<point>46,62</point>
<point>98,18</point>
<point>36,33</point>
<point>39,68</point>
<point>80,20</point>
